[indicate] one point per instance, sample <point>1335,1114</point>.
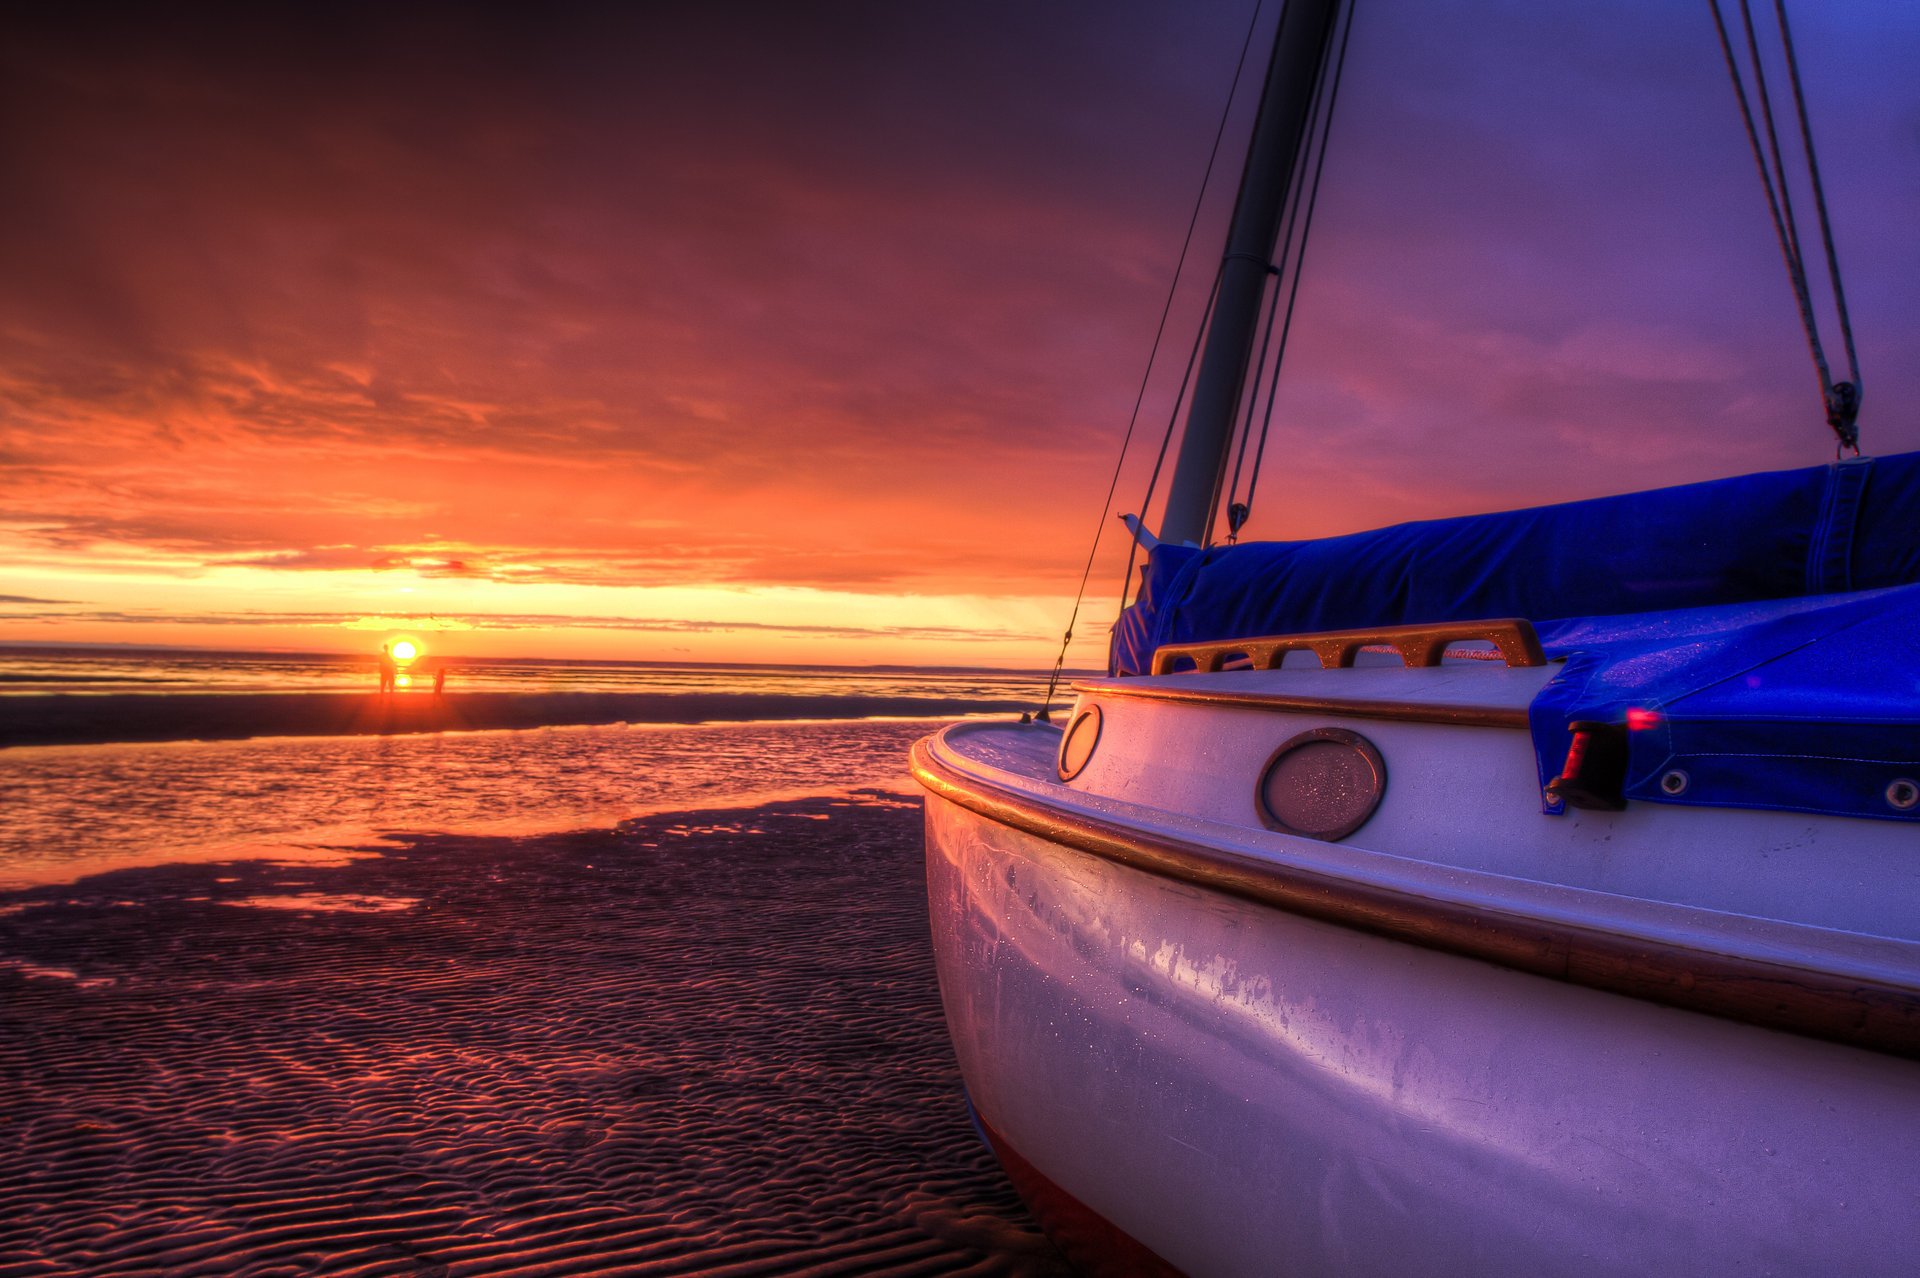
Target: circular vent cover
<point>1076,748</point>
<point>1323,784</point>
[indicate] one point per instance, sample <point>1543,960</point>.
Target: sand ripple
<point>707,1045</point>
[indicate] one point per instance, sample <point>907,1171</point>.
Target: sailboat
<point>1531,892</point>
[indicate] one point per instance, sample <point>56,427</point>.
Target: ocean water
<point>68,811</point>
<point>119,670</point>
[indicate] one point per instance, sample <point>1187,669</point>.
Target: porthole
<point>1322,784</point>
<point>1076,748</point>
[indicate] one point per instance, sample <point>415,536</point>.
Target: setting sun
<point>405,650</point>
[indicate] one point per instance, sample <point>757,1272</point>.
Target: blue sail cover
<point>1804,705</point>
<point>1768,625</point>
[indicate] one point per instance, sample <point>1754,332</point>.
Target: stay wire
<point>1819,201</point>
<point>1234,520</point>
<point>1765,97</point>
<point>1841,401</point>
<point>1166,308</point>
<point>1790,235</point>
<point>1247,423</point>
<point>1286,260</point>
<point>1166,439</point>
<point>1272,286</point>
<point>1276,273</point>
<point>1753,140</point>
<point>1300,254</point>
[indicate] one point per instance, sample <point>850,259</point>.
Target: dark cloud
<point>855,295</point>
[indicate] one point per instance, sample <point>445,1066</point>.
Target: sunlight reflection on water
<point>75,810</point>
<point>44,670</point>
<point>329,902</point>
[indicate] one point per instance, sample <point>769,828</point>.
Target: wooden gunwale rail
<point>1512,637</point>
<point>1455,715</point>
<point>1860,1011</point>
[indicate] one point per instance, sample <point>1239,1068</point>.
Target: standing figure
<point>439,680</point>
<point>389,669</point>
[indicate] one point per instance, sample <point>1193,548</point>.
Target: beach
<point>702,1042</point>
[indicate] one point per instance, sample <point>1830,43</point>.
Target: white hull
<point>1244,1089</point>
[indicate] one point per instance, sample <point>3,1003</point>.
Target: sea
<point>25,670</point>
<point>70,811</point>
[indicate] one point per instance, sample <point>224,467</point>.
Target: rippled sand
<point>696,1044</point>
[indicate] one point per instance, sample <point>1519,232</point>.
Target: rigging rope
<point>1166,308</point>
<point>1840,399</point>
<point>1236,512</point>
<point>1299,262</point>
<point>1166,438</point>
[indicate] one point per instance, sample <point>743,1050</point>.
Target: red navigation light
<point>1639,720</point>
<point>1595,770</point>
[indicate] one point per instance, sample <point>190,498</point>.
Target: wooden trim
<point>1513,637</point>
<point>1463,716</point>
<point>1859,1011</point>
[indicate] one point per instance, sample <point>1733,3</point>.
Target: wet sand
<point>68,719</point>
<point>706,1043</point>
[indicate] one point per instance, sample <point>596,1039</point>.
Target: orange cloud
<point>847,300</point>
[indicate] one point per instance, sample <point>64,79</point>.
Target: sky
<point>775,332</point>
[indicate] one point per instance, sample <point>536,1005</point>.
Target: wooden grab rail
<point>1417,646</point>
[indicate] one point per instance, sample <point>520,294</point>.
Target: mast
<point>1292,80</point>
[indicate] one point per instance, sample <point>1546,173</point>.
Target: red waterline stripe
<point>1093,1244</point>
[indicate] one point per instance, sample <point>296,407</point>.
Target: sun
<point>405,650</point>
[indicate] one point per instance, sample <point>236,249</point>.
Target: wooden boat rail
<point>1842,1007</point>
<point>1403,710</point>
<point>1512,637</point>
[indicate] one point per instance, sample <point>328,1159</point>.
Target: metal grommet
<point>1903,793</point>
<point>1674,782</point>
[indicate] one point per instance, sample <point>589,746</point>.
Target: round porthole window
<point>1076,748</point>
<point>1322,784</point>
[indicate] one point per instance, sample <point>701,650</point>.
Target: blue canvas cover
<point>1757,616</point>
<point>1803,705</point>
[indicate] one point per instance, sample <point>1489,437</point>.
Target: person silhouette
<point>439,680</point>
<point>389,668</point>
